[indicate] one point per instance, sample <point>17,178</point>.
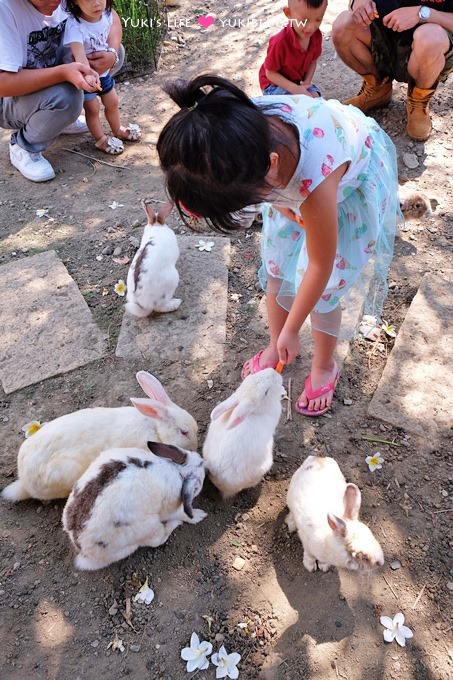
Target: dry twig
<point>417,599</point>
<point>289,414</point>
<point>97,160</point>
<point>395,595</point>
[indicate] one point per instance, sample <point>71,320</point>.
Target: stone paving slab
<point>46,325</point>
<point>416,388</point>
<point>194,335</point>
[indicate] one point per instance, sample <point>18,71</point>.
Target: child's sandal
<point>110,145</point>
<point>131,133</point>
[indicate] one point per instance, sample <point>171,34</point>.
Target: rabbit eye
<point>184,432</point>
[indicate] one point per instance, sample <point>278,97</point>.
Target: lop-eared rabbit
<point>324,510</point>
<point>240,438</point>
<point>129,498</point>
<point>52,460</point>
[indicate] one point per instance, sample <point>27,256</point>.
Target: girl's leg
<point>276,317</point>
<point>92,109</point>
<point>112,112</point>
<point>325,330</point>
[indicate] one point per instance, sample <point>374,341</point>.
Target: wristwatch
<point>113,50</point>
<point>424,13</point>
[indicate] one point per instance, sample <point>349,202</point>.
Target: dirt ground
<point>57,623</point>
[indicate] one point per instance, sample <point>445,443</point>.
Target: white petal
<point>205,647</point>
<point>221,672</point>
<point>389,635</point>
<point>401,640</point>
<point>234,658</point>
<point>194,640</point>
<point>404,630</point>
<point>233,672</point>
<point>188,654</point>
<point>215,659</point>
<point>398,619</point>
<point>192,665</point>
<point>204,665</point>
<point>386,621</point>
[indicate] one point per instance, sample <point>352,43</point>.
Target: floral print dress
<point>331,134</point>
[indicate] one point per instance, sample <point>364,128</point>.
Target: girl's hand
<point>101,61</point>
<point>288,346</point>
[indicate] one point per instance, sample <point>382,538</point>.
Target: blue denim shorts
<point>107,84</point>
<point>275,89</point>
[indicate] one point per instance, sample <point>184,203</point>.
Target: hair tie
<point>191,108</point>
<point>188,211</point>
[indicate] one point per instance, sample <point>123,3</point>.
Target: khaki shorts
<point>391,53</point>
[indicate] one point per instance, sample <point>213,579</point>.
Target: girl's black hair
<point>74,10</point>
<point>215,151</point>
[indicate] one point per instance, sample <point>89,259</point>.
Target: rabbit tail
<point>15,492</point>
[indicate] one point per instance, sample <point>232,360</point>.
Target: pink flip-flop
<point>310,393</point>
<point>255,365</point>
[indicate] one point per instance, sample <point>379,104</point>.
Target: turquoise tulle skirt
<point>367,222</point>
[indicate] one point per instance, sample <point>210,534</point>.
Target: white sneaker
<point>78,127</point>
<point>33,166</point>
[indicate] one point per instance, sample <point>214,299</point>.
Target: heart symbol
<point>206,21</point>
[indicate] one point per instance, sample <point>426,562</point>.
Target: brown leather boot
<point>373,94</point>
<point>417,107</point>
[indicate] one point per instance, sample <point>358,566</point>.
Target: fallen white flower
<point>205,245</point>
<point>374,462</point>
<point>196,655</point>
<point>145,594</point>
<point>394,629</point>
<point>42,212</point>
<point>114,205</point>
<point>116,644</point>
<point>120,288</point>
<point>226,663</point>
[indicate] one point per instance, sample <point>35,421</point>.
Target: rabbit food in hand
<point>129,498</point>
<point>325,511</point>
<point>152,277</point>
<point>52,460</point>
<point>240,438</point>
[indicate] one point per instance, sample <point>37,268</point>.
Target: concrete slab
<point>416,388</point>
<point>47,327</point>
<point>194,335</point>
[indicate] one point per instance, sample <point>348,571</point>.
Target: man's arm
<point>27,81</point>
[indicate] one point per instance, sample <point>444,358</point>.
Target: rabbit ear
<point>189,486</point>
<point>336,524</point>
<point>164,213</point>
<point>150,214</point>
<point>352,500</point>
<point>239,414</point>
<point>152,387</point>
<point>173,453</point>
<point>227,405</point>
<point>150,408</point>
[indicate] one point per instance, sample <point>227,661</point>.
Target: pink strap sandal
<point>311,394</point>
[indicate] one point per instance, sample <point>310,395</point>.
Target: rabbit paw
<point>291,524</point>
<point>309,562</point>
<point>198,516</point>
<point>323,566</point>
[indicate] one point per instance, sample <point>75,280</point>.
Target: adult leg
<point>352,42</point>
<point>426,62</point>
<point>38,119</point>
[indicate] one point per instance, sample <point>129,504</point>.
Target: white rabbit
<point>238,445</point>
<point>129,498</point>
<point>152,277</point>
<point>325,510</point>
<point>52,460</point>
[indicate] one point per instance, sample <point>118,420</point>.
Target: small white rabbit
<point>325,510</point>
<point>152,277</point>
<point>129,498</point>
<point>240,438</point>
<point>52,460</point>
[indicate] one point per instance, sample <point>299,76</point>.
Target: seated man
<point>40,95</point>
<point>395,39</point>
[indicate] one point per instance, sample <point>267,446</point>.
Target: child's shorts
<point>107,84</point>
<point>275,89</point>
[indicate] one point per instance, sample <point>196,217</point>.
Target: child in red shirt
<point>293,53</point>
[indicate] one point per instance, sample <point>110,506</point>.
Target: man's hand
<point>402,19</point>
<point>364,13</point>
<point>81,76</point>
<point>101,61</point>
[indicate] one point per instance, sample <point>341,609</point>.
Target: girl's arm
<point>104,61</point>
<point>78,52</point>
<point>319,213</point>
